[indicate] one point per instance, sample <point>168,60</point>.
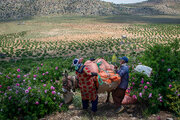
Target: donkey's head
<point>69,82</point>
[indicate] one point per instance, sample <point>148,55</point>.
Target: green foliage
<point>77,100</point>
<point>142,90</point>
<point>174,96</point>
<point>29,93</point>
<point>164,59</point>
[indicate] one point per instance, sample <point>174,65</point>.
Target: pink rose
<point>145,87</point>
<point>140,94</point>
<point>142,81</point>
<point>148,83</point>
<point>134,96</point>
<point>37,103</point>
<point>170,86</point>
<point>18,76</point>
<point>26,91</point>
<point>150,95</point>
<point>45,91</point>
<point>52,88</point>
<point>18,70</point>
<point>56,68</point>
<point>53,92</point>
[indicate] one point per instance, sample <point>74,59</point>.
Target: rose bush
<point>31,95</point>
<point>140,88</point>
<point>153,91</point>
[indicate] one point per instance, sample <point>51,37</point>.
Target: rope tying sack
<point>107,79</point>
<point>100,80</point>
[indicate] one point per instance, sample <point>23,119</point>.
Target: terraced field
<point>80,36</point>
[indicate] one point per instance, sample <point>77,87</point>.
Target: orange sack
<point>128,99</point>
<point>107,79</point>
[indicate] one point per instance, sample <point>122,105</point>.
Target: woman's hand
<point>115,67</point>
<point>94,74</point>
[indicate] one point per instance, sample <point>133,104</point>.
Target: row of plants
<point>14,45</point>
<point>33,88</point>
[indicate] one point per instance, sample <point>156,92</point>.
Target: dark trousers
<point>118,96</point>
<point>94,104</point>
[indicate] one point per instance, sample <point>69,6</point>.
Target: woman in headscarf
<point>86,84</point>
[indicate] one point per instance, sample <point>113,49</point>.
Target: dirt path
<point>106,112</point>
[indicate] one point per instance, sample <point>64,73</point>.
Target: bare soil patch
<point>87,31</point>
<point>106,112</point>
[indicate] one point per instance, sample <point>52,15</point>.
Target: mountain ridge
<point>18,9</point>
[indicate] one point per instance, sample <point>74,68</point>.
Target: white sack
<point>144,69</point>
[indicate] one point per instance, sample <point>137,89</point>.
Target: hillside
<point>155,7</point>
<point>18,9</point>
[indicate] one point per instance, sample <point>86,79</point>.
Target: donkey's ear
<point>66,73</point>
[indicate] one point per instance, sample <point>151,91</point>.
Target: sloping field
<point>76,35</point>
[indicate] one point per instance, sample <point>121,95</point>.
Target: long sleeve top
<point>124,74</point>
<point>86,84</point>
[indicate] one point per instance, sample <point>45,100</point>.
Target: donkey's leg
<point>107,100</point>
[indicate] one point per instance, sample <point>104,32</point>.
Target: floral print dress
<point>87,85</point>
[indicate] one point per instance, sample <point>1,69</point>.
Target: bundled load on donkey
<point>102,77</point>
<point>107,79</point>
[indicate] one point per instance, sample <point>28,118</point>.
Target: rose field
<point>35,52</point>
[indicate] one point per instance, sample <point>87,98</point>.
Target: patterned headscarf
<point>75,62</point>
<point>77,65</point>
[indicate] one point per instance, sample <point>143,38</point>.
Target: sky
<point>124,1</point>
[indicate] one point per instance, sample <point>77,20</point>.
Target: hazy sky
<point>124,1</point>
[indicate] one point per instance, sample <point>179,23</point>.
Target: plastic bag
<point>144,69</point>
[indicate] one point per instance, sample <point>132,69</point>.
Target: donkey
<point>71,83</point>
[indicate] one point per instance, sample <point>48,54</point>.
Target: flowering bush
<point>174,96</point>
<point>140,88</point>
<point>31,95</point>
<point>164,59</point>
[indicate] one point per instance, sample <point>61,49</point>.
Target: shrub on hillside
<point>140,88</point>
<point>174,97</point>
<point>30,96</point>
<point>164,59</point>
